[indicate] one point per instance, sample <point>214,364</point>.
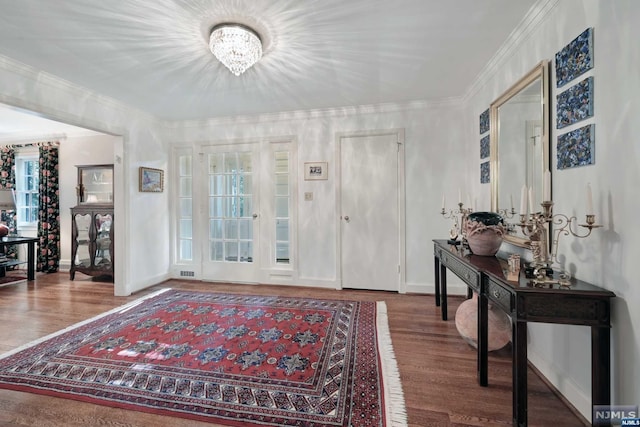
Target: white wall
<point>434,155</point>
<point>442,155</point>
<point>75,151</point>
<point>432,149</point>
<point>606,258</point>
<point>142,257</point>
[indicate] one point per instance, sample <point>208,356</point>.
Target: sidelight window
<point>282,207</point>
<point>185,207</point>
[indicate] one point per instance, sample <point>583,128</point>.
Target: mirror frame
<point>540,71</point>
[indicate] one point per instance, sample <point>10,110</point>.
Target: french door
<point>231,213</point>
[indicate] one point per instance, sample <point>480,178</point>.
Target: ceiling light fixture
<point>236,46</point>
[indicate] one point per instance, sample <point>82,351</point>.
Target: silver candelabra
<point>535,226</point>
<point>508,213</point>
<point>459,217</point>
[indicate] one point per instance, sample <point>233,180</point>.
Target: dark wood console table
<point>31,252</point>
<point>579,304</point>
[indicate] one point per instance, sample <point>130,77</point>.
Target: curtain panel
<point>49,211</point>
<point>8,180</point>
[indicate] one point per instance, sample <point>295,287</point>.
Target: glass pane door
<point>232,215</point>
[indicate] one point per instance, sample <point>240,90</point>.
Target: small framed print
<point>315,171</point>
<point>151,180</point>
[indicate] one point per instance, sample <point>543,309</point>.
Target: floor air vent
<point>187,274</point>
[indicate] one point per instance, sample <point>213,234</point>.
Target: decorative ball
<point>4,230</point>
<point>467,324</point>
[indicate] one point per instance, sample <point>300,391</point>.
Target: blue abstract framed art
<point>485,173</point>
<point>575,58</point>
<point>577,148</point>
<point>484,121</point>
<point>575,104</point>
<point>485,147</point>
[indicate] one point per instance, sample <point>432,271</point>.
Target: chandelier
<point>236,46</point>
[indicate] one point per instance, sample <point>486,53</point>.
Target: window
<point>27,183</point>
<point>185,209</point>
<point>282,204</point>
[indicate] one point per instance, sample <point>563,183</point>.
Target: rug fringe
<point>395,410</point>
<point>119,309</point>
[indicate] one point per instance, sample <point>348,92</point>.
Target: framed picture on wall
<point>484,122</point>
<point>575,58</point>
<point>577,148</point>
<point>315,171</point>
<point>151,180</point>
<point>485,173</point>
<point>575,104</point>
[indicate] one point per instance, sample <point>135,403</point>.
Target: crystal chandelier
<point>236,46</point>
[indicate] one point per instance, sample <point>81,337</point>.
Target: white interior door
<point>370,233</point>
<point>231,213</point>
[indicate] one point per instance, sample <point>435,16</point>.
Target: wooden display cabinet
<point>92,241</point>
<point>92,223</point>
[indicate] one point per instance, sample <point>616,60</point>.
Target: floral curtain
<point>8,180</point>
<point>49,211</point>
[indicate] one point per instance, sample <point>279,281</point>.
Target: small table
<point>579,304</point>
<point>31,252</point>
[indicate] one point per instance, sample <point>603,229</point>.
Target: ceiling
<point>17,125</point>
<point>153,54</point>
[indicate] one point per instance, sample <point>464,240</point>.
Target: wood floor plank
<point>437,367</point>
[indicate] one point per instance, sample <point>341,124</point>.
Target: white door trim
<point>400,135</point>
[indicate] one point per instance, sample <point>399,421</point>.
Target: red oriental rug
<point>231,359</point>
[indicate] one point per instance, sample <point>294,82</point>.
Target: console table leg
<point>31,261</point>
<point>436,262</point>
<point>519,337</point>
<point>483,339</point>
<point>443,291</point>
<point>600,365</point>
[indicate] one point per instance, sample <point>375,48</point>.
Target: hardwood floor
<point>437,368</point>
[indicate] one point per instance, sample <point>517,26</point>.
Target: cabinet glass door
<point>103,240</point>
<point>83,222</point>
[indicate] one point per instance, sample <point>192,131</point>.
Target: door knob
<point>255,215</point>
<point>346,218</point>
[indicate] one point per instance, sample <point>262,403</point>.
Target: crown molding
<point>34,137</point>
<point>54,82</point>
<point>317,113</point>
<point>65,86</point>
<point>538,12</point>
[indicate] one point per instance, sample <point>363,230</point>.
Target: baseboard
<point>570,393</point>
<point>430,288</point>
<point>318,282</point>
<point>143,284</point>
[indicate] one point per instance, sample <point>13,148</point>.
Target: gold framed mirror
<point>520,145</point>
